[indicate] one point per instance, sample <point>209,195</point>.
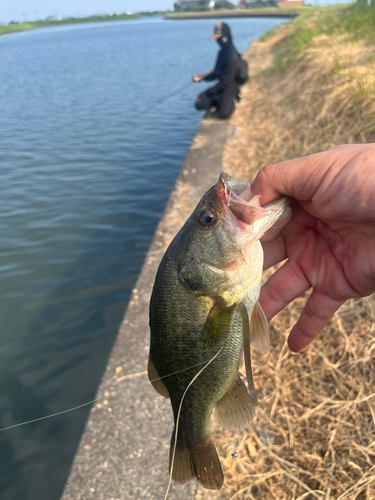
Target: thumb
<point>299,178</point>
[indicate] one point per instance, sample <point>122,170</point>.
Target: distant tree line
<point>203,5</point>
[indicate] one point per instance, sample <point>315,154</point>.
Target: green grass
<point>268,34</point>
<point>354,22</point>
<point>357,21</point>
<point>302,37</point>
<point>336,63</point>
<point>9,28</point>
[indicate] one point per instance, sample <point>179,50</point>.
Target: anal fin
<point>155,380</point>
<point>235,410</point>
<point>259,333</point>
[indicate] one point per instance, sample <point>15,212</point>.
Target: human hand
<point>197,78</point>
<point>329,240</point>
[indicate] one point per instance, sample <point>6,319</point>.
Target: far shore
<point>27,26</point>
<point>264,12</point>
<point>9,32</point>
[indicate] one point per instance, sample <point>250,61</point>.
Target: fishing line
<point>163,100</point>
<point>178,416</point>
<point>125,377</point>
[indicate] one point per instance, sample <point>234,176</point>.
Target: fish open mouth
<point>237,197</point>
<point>243,210</point>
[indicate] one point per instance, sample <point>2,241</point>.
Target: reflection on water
<point>85,174</point>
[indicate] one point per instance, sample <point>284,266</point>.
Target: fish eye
<point>207,219</point>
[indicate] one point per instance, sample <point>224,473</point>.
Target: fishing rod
<point>158,103</point>
<point>165,99</point>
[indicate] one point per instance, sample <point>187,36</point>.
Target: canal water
<point>87,162</point>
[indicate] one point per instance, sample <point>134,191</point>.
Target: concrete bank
<point>124,450</point>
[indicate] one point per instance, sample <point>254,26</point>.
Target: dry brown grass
<point>314,433</point>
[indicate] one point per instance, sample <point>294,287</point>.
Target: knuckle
<point>314,315</point>
<point>266,173</point>
<point>275,296</point>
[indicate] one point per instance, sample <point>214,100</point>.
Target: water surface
<point>87,164</point>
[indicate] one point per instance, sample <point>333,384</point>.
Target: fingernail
<point>285,216</point>
<point>290,350</point>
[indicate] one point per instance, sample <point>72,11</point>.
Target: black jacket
<point>225,71</point>
<point>227,65</point>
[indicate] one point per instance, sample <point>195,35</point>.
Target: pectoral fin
<point>235,410</point>
<point>247,354</point>
<point>154,378</point>
<point>259,333</point>
<point>218,322</point>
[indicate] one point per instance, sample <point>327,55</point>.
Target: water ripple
<point>85,175</point>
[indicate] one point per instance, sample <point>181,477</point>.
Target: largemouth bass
<point>205,304</point>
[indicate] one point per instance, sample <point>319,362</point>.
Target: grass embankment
<point>14,28</point>
<point>312,87</point>
<point>255,12</point>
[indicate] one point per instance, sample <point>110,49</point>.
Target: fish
<point>204,310</point>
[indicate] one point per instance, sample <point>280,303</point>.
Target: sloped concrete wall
<point>124,451</point>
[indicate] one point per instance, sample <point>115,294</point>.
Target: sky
<point>29,10</point>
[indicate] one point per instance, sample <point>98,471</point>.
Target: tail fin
<point>206,465</point>
<point>200,461</point>
<point>180,462</point>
